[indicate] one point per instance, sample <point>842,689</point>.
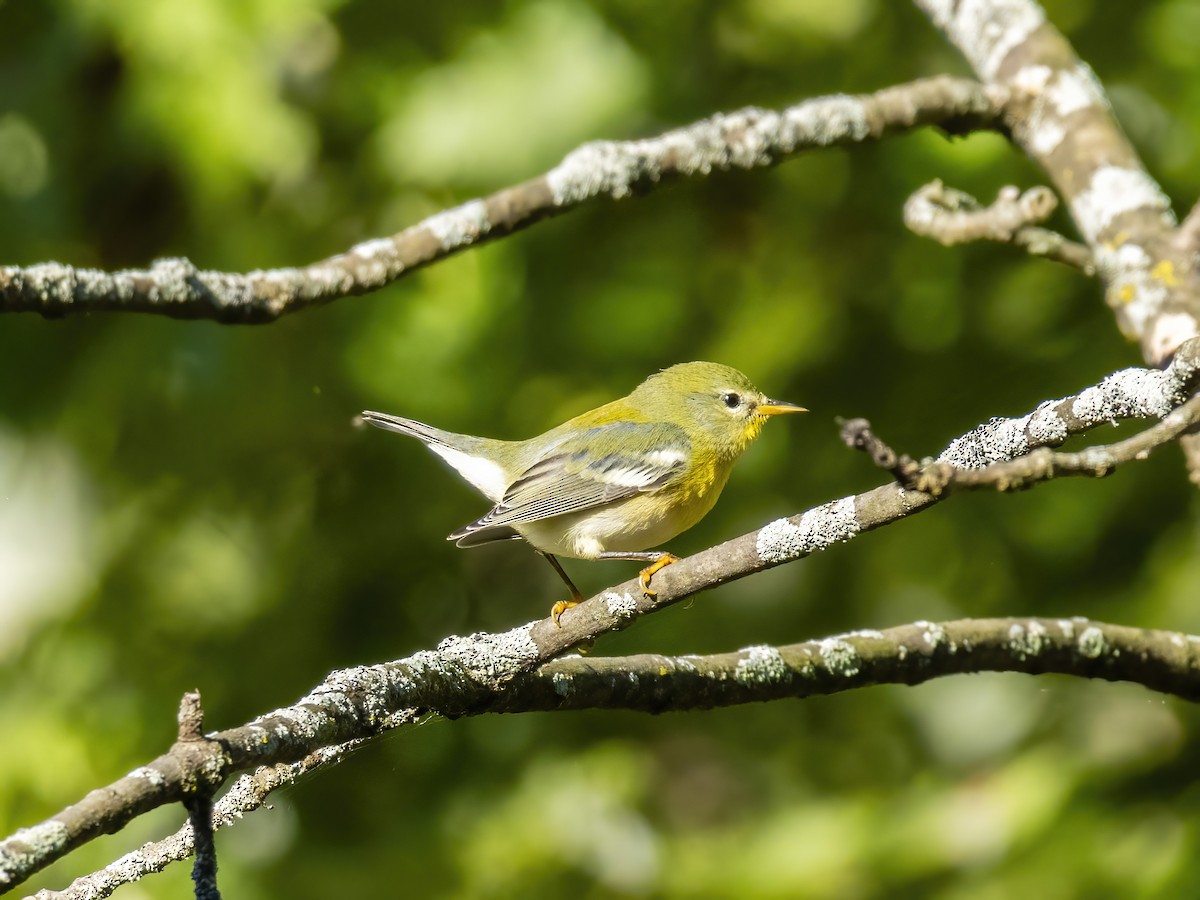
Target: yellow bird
<point>615,481</point>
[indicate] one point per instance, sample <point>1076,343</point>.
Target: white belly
<point>639,523</point>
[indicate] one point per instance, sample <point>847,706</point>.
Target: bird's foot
<point>561,607</point>
<point>647,573</point>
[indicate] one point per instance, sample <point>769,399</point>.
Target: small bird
<point>614,481</point>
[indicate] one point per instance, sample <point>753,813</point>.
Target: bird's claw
<point>559,608</point>
<point>647,573</point>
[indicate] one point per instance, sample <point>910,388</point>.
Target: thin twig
<point>199,804</point>
<point>952,217</point>
<point>204,869</point>
<point>1043,464</point>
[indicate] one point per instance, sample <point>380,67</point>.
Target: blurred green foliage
<point>185,505</point>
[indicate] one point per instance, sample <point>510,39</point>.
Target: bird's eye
<point>732,400</point>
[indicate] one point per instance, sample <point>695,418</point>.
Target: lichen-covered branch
<point>746,139</point>
<point>936,478</point>
<point>1164,661</point>
<point>1168,662</point>
<point>962,467</point>
<point>1058,114</point>
<point>466,673</point>
<point>953,217</point>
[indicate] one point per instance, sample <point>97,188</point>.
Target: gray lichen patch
<point>459,226</point>
<point>787,539</point>
<point>1091,643</point>
<point>872,633</point>
<point>43,841</point>
<point>562,683</point>
<point>743,139</point>
<point>150,774</point>
<point>1112,191</point>
<point>1027,640</point>
<point>1129,393</point>
<point>934,635</point>
<point>760,664</point>
<point>995,440</point>
<point>824,122</point>
<point>492,658</point>
<point>1045,427</point>
<point>620,606</point>
<point>973,27</point>
<point>840,657</point>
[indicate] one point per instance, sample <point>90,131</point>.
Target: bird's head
<point>715,404</point>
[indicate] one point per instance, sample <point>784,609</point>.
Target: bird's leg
<point>658,559</point>
<point>562,606</point>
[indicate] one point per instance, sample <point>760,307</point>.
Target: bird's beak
<point>776,407</point>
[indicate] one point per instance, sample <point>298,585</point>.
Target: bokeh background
<point>185,505</point>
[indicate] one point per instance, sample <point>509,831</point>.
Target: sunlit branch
<point>747,139</point>
<point>1059,115</point>
<point>1165,661</point>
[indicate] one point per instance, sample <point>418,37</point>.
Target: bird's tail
<point>425,433</point>
<point>476,459</point>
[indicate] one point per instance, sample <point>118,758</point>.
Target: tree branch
<point>747,139</point>
<point>1042,464</point>
<point>1058,114</point>
<point>962,465</point>
<point>466,673</point>
<point>1188,236</point>
<point>1164,661</point>
<point>199,804</point>
<point>954,217</point>
<point>1168,662</point>
<point>246,794</point>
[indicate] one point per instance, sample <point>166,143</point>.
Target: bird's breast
<point>641,522</point>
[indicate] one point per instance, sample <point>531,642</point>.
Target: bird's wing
<point>581,473</point>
